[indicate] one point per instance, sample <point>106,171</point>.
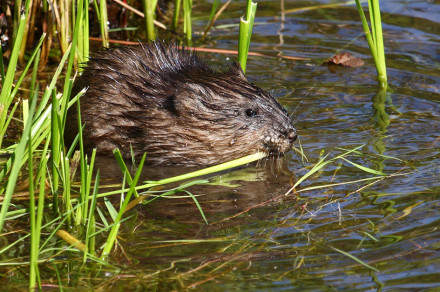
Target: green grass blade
<point>2,66</point>
<point>206,171</point>
<point>5,126</point>
<point>79,213</point>
<point>111,210</point>
<point>187,26</point>
<point>212,169</point>
<point>372,21</point>
<point>198,205</point>
<point>48,91</point>
<point>150,16</point>
<point>375,38</point>
<point>355,259</point>
<point>89,173</point>
<point>318,166</point>
<point>379,43</point>
<point>18,154</point>
<point>33,261</point>
<point>28,65</point>
<point>55,149</point>
<point>176,12</point>
<point>5,95</point>
<point>124,169</point>
<point>113,232</point>
<point>90,240</point>
<point>67,186</point>
<point>35,73</point>
<point>366,169</point>
<point>103,21</point>
<point>246,33</point>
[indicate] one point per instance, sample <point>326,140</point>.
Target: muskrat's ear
<point>235,69</point>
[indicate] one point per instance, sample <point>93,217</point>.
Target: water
<point>261,239</point>
<point>297,242</point>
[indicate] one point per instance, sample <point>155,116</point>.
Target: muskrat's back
<point>163,100</point>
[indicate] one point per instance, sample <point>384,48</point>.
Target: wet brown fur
<point>163,100</point>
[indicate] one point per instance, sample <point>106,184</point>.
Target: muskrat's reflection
<point>219,195</point>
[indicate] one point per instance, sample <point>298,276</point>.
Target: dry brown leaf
<point>346,59</point>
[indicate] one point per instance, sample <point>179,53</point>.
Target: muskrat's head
<point>162,100</point>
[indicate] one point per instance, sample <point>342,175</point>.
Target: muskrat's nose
<point>291,135</point>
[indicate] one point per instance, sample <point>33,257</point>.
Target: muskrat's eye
<point>251,113</point>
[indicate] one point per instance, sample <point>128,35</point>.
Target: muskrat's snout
<point>287,138</point>
<point>291,135</point>
<point>279,139</point>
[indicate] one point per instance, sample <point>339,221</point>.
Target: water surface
<point>297,242</point>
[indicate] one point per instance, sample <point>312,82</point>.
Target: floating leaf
<point>346,59</point>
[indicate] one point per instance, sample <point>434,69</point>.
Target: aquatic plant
<point>375,39</point>
<point>246,24</point>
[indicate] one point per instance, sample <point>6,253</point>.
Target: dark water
<point>296,242</point>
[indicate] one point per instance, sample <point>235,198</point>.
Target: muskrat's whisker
<point>296,108</point>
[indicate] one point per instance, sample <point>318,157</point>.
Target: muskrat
<point>163,100</point>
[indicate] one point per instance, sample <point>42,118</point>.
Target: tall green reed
<point>2,67</point>
<point>187,18</point>
<point>176,12</point>
<point>82,20</point>
<point>5,95</point>
<point>375,39</point>
<point>187,25</point>
<point>150,16</point>
<point>246,25</point>
<point>35,218</point>
<point>101,11</point>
